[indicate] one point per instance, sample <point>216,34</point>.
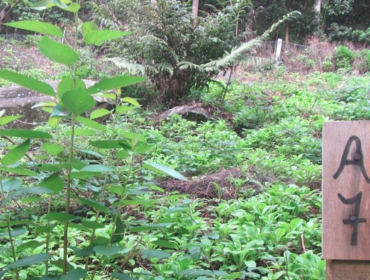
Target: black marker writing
<point>358,158</point>
<point>353,219</point>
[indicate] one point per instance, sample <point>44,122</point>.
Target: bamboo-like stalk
<point>71,151</point>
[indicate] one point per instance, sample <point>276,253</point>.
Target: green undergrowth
<point>125,226</point>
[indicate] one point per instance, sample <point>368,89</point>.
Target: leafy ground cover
<point>126,224</point>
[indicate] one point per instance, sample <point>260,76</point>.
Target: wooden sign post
<point>346,200</point>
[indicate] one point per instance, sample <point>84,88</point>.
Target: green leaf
<point>73,8</point>
<point>42,5</point>
<point>122,154</point>
<point>107,251</point>
<point>141,149</point>
<point>28,245</point>
<point>165,244</point>
<point>118,233</point>
<point>110,144</point>
<point>15,223</point>
<point>12,184</point>
<point>88,27</point>
<point>58,52</point>
<point>30,199</point>
<point>45,229</point>
<point>9,119</point>
<point>53,183</point>
<point>92,224</point>
<point>75,274</point>
<point>113,83</point>
<point>164,170</point>
<point>37,26</point>
<point>130,202</point>
<point>52,149</point>
<point>19,171</point>
<point>67,84</point>
<point>195,253</point>
<point>92,35</point>
<point>134,136</point>
<point>60,217</point>
<point>25,133</point>
<point>15,232</point>
<point>92,153</point>
<point>93,204</point>
<point>78,101</point>
<point>191,273</point>
<point>16,153</point>
<point>122,276</point>
<point>150,227</point>
<point>27,82</point>
<point>84,175</point>
<point>46,4</point>
<point>132,101</point>
<point>32,190</point>
<point>99,113</point>
<point>158,254</point>
<point>92,124</point>
<point>28,261</point>
<point>124,109</point>
<point>97,168</point>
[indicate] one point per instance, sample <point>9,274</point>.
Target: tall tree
<point>195,8</point>
<point>270,11</point>
<point>344,17</point>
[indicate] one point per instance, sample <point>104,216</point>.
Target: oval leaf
<point>67,84</point>
<point>110,144</point>
<point>37,26</point>
<point>97,37</point>
<point>28,261</point>
<point>60,217</point>
<point>99,113</point>
<point>52,149</point>
<point>164,170</point>
<point>27,82</point>
<point>75,274</point>
<point>158,254</point>
<point>8,119</point>
<point>53,183</point>
<point>92,124</point>
<point>113,83</point>
<point>107,251</point>
<point>25,133</point>
<point>16,153</point>
<point>58,52</point>
<point>78,101</point>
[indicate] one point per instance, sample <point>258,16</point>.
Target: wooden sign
<point>346,191</point>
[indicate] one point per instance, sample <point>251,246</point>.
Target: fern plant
<point>173,50</point>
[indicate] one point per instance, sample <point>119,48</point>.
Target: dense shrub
<point>344,57</point>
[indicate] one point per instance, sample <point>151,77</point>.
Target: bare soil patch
<point>217,185</point>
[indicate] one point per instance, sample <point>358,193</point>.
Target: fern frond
<point>164,67</point>
<point>191,66</point>
<point>131,67</point>
<point>236,55</point>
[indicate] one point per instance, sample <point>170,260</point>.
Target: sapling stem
<point>68,195</point>
<point>71,149</point>
<point>12,245</point>
<point>48,239</point>
<point>1,185</point>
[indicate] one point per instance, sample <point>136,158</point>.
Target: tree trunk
<point>286,36</point>
<point>318,7</point>
<point>195,8</point>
